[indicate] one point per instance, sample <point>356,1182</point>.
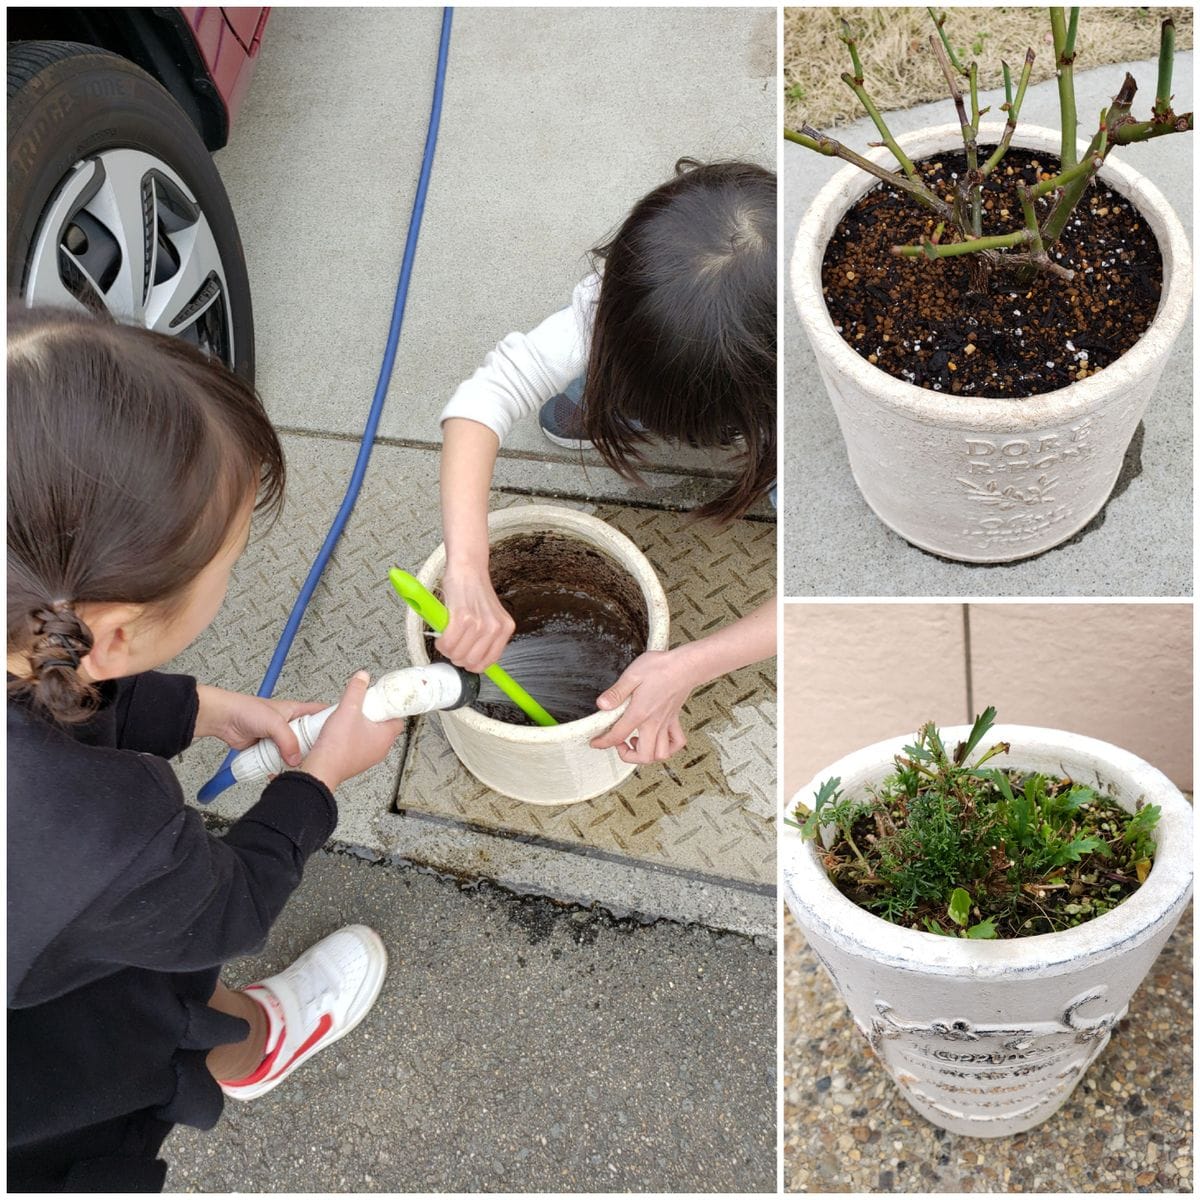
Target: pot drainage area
<point>691,840</point>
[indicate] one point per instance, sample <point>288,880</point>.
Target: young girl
<point>134,465</point>
<point>673,337</point>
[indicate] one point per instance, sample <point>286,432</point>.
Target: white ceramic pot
<point>976,479</point>
<point>988,1038</point>
<point>544,765</point>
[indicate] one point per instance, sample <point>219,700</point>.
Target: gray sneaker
<point>561,419</point>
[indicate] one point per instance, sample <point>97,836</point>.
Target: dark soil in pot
<point>920,322</point>
<point>581,620</point>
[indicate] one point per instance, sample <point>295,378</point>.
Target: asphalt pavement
<point>516,1046</point>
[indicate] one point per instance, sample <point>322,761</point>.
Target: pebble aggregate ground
<point>1126,1128</point>
<point>516,1047</point>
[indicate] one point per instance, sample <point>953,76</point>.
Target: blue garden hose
<point>224,777</point>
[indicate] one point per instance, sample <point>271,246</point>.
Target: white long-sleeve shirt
<point>527,369</point>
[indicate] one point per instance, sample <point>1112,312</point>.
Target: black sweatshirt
<point>121,910</point>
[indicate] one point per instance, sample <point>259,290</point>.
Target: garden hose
<point>224,777</point>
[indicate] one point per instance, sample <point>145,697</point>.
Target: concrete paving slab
<point>555,122</point>
<point>1141,542</point>
<point>696,848</point>
<point>515,1047</point>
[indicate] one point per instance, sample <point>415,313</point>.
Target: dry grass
<point>900,68</point>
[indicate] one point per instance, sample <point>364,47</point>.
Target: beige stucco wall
<point>857,673</point>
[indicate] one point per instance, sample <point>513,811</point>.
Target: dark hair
<point>684,338</point>
<point>130,455</point>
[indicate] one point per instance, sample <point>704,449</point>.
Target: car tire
<point>86,127</point>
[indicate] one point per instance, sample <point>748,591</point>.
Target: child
<point>674,337</point>
<point>134,466</point>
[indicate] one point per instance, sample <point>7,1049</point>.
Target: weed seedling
<point>949,845</point>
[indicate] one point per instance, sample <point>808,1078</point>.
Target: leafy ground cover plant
<point>952,846</point>
<point>1045,205</point>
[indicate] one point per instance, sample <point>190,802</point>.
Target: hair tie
<point>63,642</point>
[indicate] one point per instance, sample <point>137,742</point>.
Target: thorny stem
<point>972,181</point>
<point>1143,131</point>
<point>1112,120</point>
<point>972,246</point>
<point>1166,63</point>
<point>1014,112</point>
<point>1027,196</point>
<point>813,139</point>
<point>1064,58</point>
<point>855,83</point>
<point>939,23</point>
<point>1087,166</point>
<point>848,37</point>
<point>905,162</point>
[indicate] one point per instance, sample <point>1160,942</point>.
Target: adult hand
<point>240,720</point>
<point>349,744</point>
<point>656,684</point>
<point>479,627</point>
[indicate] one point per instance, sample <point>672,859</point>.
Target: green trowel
<point>435,614</point>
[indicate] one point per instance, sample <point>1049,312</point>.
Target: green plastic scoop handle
<point>435,614</point>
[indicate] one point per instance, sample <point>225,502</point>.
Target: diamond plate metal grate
<point>711,813</point>
<point>711,809</point>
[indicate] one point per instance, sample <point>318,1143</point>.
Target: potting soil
<point>919,321</point>
<point>581,620</point>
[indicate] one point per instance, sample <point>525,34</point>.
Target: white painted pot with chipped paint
<point>977,479</point>
<point>554,764</point>
<point>988,1038</point>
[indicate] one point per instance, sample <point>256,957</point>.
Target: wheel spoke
<point>167,309</point>
<point>119,205</point>
<point>44,284</point>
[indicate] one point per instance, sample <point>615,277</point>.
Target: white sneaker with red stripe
<point>309,1005</point>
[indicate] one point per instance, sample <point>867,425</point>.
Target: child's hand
<point>240,720</point>
<point>350,744</point>
<point>657,685</point>
<point>479,627</point>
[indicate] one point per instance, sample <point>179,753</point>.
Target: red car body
<point>228,39</point>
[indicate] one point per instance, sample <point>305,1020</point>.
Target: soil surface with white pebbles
<point>917,320</point>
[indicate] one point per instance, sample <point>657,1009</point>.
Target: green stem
<point>905,162</point>
<point>1166,63</point>
<point>1014,112</point>
<point>1112,121</point>
<point>813,139</point>
<point>1007,85</point>
<point>1072,28</point>
<point>972,246</point>
<point>938,23</point>
<point>857,852</point>
<point>1143,131</point>
<point>1063,60</point>
<point>1027,196</point>
<point>1088,165</point>
<point>848,37</point>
